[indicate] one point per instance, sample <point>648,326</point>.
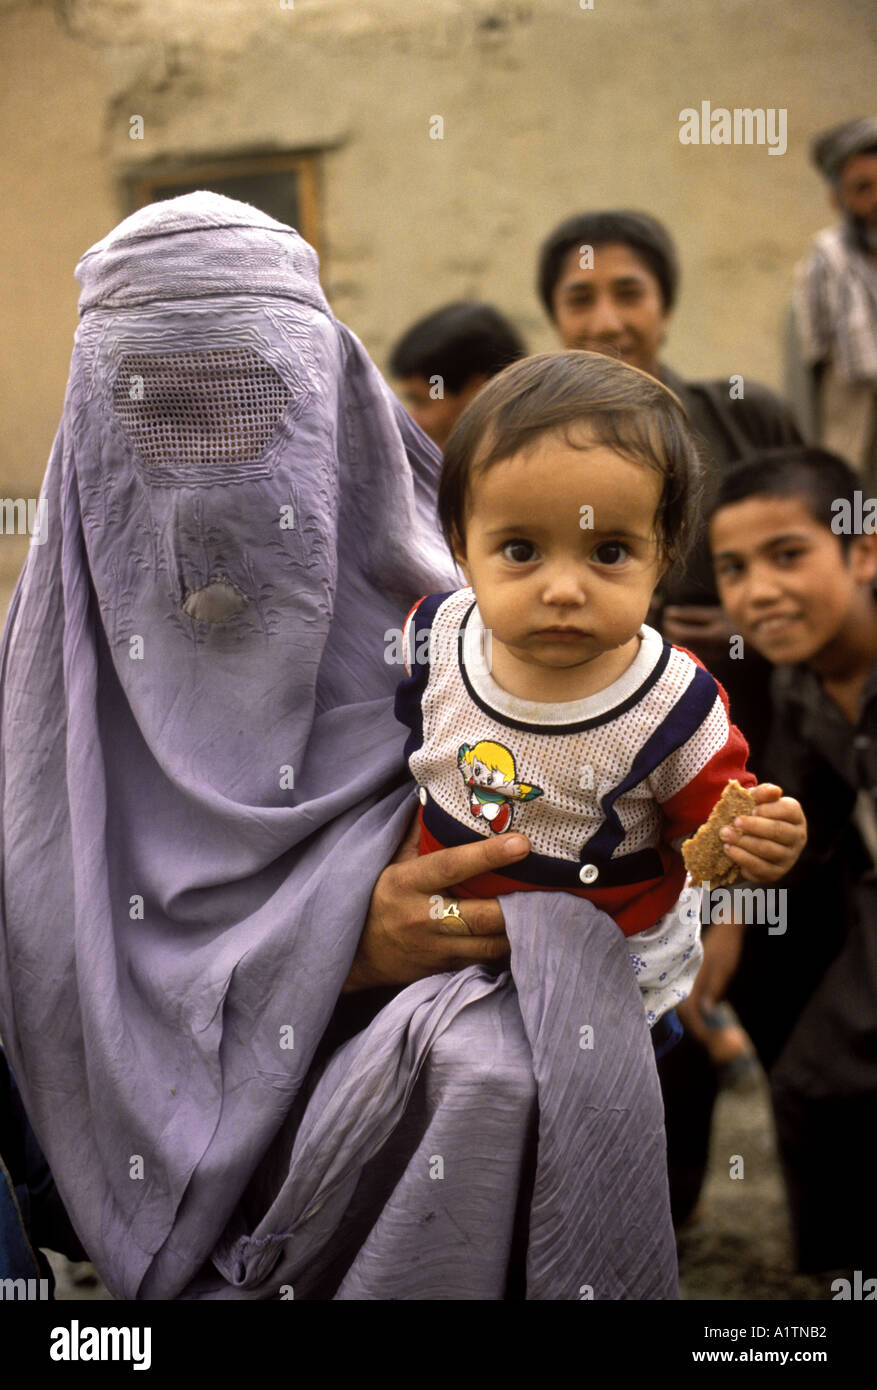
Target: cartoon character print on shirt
<point>489,772</point>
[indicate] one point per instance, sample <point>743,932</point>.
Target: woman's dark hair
<point>457,342</point>
<point>818,478</point>
<point>643,234</point>
<point>588,399</point>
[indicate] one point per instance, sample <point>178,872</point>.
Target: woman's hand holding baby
<point>405,938</point>
<point>767,845</point>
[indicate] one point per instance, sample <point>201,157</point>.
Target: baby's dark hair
<point>588,399</point>
<point>818,478</point>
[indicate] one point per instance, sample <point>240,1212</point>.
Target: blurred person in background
<point>799,584</point>
<point>444,359</point>
<point>833,352</point>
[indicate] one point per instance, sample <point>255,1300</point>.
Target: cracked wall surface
<point>548,108</point>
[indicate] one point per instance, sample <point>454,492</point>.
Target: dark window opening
<point>283,185</point>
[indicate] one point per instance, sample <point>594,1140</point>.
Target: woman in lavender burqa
<point>259,1063</point>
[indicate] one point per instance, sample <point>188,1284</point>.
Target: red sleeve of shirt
<point>405,630</point>
<point>692,804</point>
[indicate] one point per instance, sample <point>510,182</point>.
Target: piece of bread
<point>704,852</point>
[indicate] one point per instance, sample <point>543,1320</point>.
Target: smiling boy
<point>800,589</point>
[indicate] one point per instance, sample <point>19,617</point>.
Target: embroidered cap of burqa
<point>202,779</point>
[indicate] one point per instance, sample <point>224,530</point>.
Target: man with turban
<point>835,303</point>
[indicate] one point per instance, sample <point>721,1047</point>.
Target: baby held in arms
<point>538,698</point>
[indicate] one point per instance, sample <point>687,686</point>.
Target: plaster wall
<point>548,108</point>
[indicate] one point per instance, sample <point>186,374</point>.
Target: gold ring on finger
<point>454,917</point>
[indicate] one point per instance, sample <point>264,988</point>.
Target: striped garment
<point>605,788</point>
<point>835,305</point>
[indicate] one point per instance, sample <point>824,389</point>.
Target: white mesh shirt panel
<point>566,815</point>
<point>682,766</point>
<point>215,408</point>
<point>573,770</point>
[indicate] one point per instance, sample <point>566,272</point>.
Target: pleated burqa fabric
<point>202,779</point>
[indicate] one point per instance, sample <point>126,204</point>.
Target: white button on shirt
<point>589,873</point>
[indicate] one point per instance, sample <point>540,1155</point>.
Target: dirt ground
<point>741,1246</point>
<point>738,1249</point>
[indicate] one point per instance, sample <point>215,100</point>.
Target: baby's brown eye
<point>611,553</point>
<point>519,552</point>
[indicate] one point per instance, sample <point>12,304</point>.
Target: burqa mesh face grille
<point>218,407</point>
